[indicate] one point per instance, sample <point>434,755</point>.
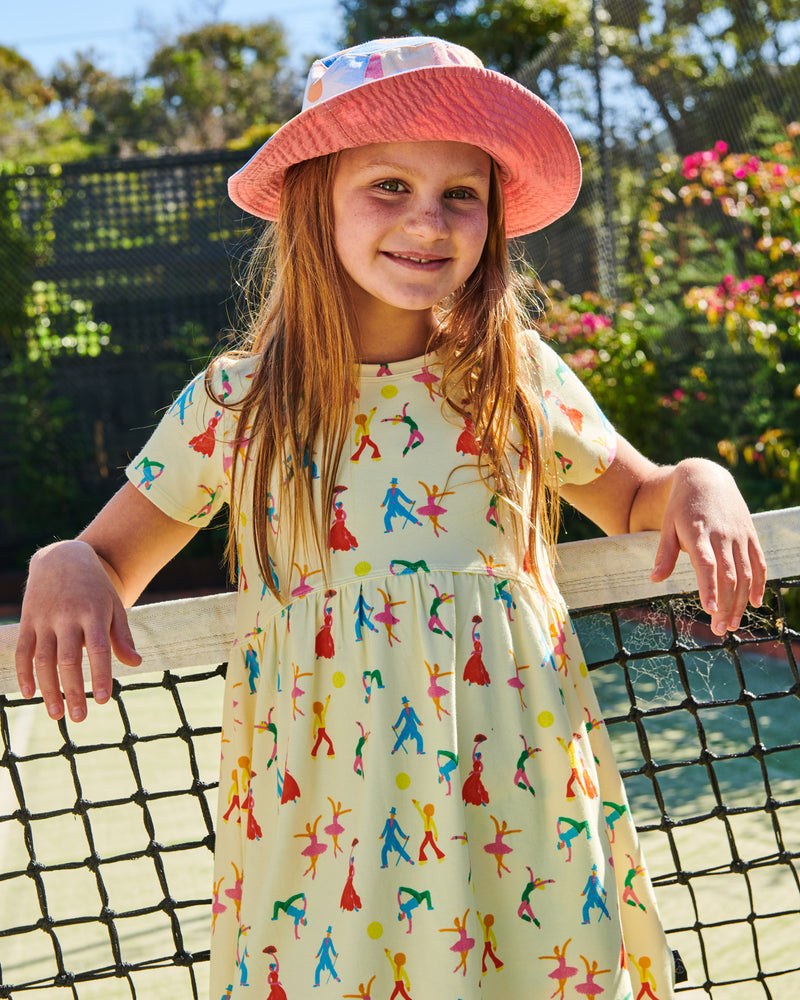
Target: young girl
<point>486,805</point>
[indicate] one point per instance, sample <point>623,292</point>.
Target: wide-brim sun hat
<point>421,89</point>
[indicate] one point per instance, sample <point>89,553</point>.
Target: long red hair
<point>298,323</point>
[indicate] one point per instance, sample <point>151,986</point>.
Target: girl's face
<point>410,223</point>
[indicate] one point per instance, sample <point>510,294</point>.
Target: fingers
<point>56,658</point>
<point>729,574</point>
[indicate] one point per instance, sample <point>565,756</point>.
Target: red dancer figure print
<point>437,691</point>
<point>498,847</point>
<point>646,977</point>
<point>473,790</point>
<point>334,828</point>
<point>276,991</point>
<point>429,840</point>
<point>323,643</point>
<point>489,941</point>
<point>515,681</point>
<point>216,906</point>
<point>340,538</point>
<point>467,443</point>
<point>320,710</point>
<point>401,981</point>
<point>590,988</point>
<point>562,972</point>
<point>362,422</point>
<point>364,992</point>
<point>474,671</point>
<point>297,691</point>
<point>204,443</point>
<point>463,945</point>
<point>385,617</point>
<point>315,846</point>
<point>290,790</point>
<point>433,509</point>
<point>350,900</point>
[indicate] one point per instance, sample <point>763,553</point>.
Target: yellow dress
<point>417,795</point>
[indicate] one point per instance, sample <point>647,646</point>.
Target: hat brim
<point>539,162</point>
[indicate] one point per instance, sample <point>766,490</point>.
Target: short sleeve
<point>185,466</point>
<point>584,440</point>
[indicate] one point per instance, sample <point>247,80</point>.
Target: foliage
<point>204,88</point>
<point>698,366</point>
<point>506,34</point>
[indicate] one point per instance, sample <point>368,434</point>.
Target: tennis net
<point>106,829</point>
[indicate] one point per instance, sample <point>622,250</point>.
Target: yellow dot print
<point>402,780</point>
<point>545,719</point>
<point>375,930</point>
<point>339,679</point>
<point>584,669</point>
<point>388,391</point>
<point>362,568</point>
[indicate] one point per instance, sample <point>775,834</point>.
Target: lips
<point>420,259</point>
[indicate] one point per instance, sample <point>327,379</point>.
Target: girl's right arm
<point>76,596</point>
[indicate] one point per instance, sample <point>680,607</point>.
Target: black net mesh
<point>106,831</point>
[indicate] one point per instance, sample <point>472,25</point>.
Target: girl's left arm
<point>698,509</point>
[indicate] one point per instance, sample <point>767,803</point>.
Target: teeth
<point>417,260</point>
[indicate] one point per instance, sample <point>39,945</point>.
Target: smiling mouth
<point>414,259</point>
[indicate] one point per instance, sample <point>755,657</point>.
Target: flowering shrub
<point>705,357</point>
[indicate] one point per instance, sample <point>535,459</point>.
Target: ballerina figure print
<point>433,509</point>
<point>515,681</point>
<point>437,691</point>
<point>498,847</point>
<point>303,587</point>
<point>315,846</point>
<point>590,988</point>
<point>386,617</point>
<point>463,945</point>
<point>334,828</point>
<point>562,972</point>
<point>297,691</point>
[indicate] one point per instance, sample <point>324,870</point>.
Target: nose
<point>426,219</point>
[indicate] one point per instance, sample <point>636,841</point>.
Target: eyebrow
<point>393,166</point>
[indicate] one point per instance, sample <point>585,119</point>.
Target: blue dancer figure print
<point>394,840</point>
<point>394,507</point>
<point>407,727</point>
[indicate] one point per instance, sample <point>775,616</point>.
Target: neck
<point>387,334</point>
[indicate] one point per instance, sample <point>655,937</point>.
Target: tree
<point>506,34</point>
<point>217,81</point>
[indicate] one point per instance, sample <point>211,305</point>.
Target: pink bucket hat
<point>413,90</point>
